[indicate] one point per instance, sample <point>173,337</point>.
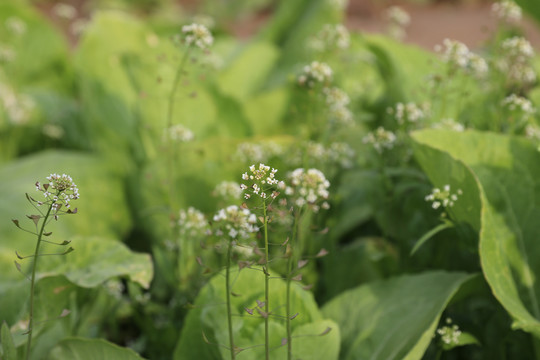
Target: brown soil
<point>469,21</point>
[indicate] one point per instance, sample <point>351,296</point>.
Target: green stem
<point>266,285</point>
<point>171,151</point>
<point>228,295</point>
<point>32,283</point>
<point>289,277</point>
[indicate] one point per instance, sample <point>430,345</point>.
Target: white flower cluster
<point>449,333</point>
<point>7,54</point>
<point>449,124</point>
<point>262,180</point>
<point>59,191</point>
<point>228,190</point>
<point>532,131</point>
<point>506,11</point>
<point>314,74</point>
<point>337,153</point>
<point>331,37</point>
<point>444,198</point>
<point>258,152</point>
<point>18,107</point>
<point>179,133</point>
<point>308,188</point>
<point>198,35</point>
<point>337,101</point>
<point>237,222</point>
<point>15,25</point>
<point>339,4</point>
<point>514,102</point>
<point>458,56</point>
<point>397,19</point>
<point>65,11</point>
<point>381,139</point>
<point>515,62</point>
<point>192,222</point>
<point>409,113</point>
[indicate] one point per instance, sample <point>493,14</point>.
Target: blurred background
<point>469,21</point>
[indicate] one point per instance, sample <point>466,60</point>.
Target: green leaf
<point>102,205</point>
<point>507,173</point>
<point>242,78</point>
<point>90,349</point>
<point>97,260</point>
<point>8,347</point>
<point>311,339</point>
<point>395,318</point>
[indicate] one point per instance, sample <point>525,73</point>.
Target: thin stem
<point>289,277</point>
<point>171,151</point>
<point>32,283</point>
<point>266,284</point>
<point>228,297</point>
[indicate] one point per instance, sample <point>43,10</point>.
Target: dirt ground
<point>469,21</point>
<point>471,24</point>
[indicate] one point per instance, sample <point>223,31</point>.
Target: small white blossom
<point>515,62</point>
<point>458,56</point>
<point>198,35</point>
<point>330,37</point>
<point>179,133</point>
<point>237,223</point>
<point>408,113</point>
<point>506,11</point>
<point>192,222</point>
<point>381,139</point>
<point>15,25</point>
<point>58,192</point>
<point>262,180</point>
<point>65,11</point>
<point>229,190</point>
<point>444,197</point>
<point>314,74</point>
<point>449,333</point>
<point>397,19</point>
<point>308,188</point>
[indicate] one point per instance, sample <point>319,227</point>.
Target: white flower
<point>308,187</point>
<point>330,37</point>
<point>179,133</point>
<point>198,35</point>
<point>381,139</point>
<point>192,222</point>
<point>444,198</point>
<point>506,11</point>
<point>236,222</point>
<point>449,333</point>
<point>314,74</point>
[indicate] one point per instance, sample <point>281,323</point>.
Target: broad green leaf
<point>8,347</point>
<point>90,349</point>
<point>96,260</point>
<point>395,318</point>
<point>507,183</point>
<point>248,70</point>
<point>102,209</point>
<point>530,7</point>
<point>40,50</point>
<point>312,338</point>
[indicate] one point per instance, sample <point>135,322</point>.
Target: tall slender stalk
<point>290,263</point>
<point>33,281</point>
<point>171,153</point>
<point>266,285</point>
<point>228,297</point>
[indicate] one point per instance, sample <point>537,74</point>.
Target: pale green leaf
<point>90,349</point>
<point>8,347</point>
<point>395,318</point>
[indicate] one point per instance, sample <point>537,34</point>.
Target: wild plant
<point>58,193</point>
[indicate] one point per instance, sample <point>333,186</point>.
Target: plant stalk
<point>289,279</point>
<point>228,290</point>
<point>266,285</point>
<point>32,283</point>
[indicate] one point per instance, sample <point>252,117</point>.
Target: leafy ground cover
<point>307,193</point>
